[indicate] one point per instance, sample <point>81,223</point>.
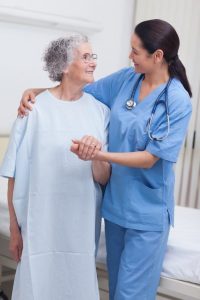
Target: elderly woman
<point>54,197</point>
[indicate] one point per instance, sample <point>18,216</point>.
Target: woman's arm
<point>105,90</point>
<point>86,151</point>
<point>101,171</point>
<point>85,148</point>
<point>13,219</point>
<point>28,97</point>
<point>139,159</point>
<point>16,243</point>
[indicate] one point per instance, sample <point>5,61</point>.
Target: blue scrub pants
<point>134,260</point>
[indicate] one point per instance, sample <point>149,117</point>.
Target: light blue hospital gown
<point>56,200</point>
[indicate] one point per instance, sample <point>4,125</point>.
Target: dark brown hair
<point>158,34</point>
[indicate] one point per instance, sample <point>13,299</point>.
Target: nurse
<point>138,205</point>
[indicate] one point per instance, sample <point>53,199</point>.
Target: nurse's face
<point>82,68</point>
<point>142,60</point>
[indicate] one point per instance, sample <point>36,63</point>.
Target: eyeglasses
<point>87,57</point>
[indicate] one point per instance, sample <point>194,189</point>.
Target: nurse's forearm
<point>35,91</point>
<point>28,97</point>
<point>101,171</point>
<point>13,219</point>
<point>140,159</point>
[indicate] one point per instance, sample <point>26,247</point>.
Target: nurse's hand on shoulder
<point>16,244</point>
<point>28,97</point>
<point>86,148</point>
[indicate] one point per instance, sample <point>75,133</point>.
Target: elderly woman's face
<point>84,63</point>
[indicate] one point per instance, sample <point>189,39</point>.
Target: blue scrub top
<point>139,198</point>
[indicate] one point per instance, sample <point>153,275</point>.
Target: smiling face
<point>144,62</point>
<point>82,67</point>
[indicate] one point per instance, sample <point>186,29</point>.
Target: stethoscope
<point>130,104</point>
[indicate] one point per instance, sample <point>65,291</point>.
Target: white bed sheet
<point>182,259</point>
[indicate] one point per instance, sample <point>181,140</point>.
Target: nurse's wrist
<point>102,156</point>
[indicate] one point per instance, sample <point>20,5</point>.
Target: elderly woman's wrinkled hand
<point>86,148</point>
<point>28,97</point>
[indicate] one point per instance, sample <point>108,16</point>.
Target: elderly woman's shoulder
<point>42,96</point>
<point>44,100</point>
<point>95,102</point>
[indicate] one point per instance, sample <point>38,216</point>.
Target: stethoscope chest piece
<point>130,104</point>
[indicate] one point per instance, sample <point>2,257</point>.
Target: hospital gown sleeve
<point>180,113</point>
<point>8,165</point>
<point>106,89</point>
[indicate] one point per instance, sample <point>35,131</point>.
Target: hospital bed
<point>180,277</point>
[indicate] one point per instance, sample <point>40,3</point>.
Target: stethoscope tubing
<point>157,102</point>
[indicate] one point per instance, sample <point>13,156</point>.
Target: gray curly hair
<point>60,53</point>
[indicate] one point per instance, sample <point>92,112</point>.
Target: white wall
<point>22,45</point>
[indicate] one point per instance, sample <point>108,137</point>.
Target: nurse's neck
<point>68,90</point>
<point>156,77</point>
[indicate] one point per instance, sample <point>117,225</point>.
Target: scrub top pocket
<point>146,205</point>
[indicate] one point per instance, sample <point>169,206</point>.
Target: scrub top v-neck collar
<point>151,96</point>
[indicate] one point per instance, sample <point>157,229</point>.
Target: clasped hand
<point>86,148</point>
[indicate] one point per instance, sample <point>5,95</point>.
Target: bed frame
<point>170,289</point>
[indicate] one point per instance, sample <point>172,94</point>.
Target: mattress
<point>182,259</point>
